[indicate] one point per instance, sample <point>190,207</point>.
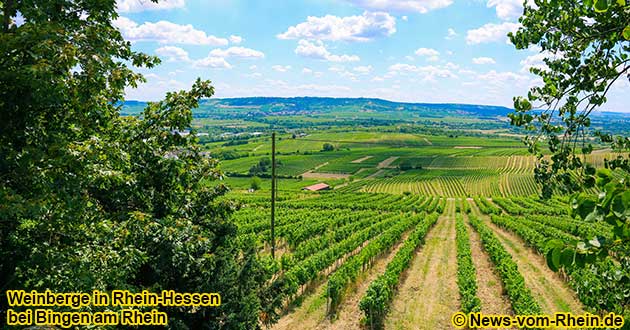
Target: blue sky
<point>402,50</point>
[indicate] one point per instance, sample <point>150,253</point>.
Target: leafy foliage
<point>589,50</point>
<point>93,200</point>
<point>328,147</point>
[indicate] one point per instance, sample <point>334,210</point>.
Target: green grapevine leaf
<point>601,6</point>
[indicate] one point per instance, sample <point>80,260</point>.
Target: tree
<point>587,48</point>
<point>93,200</point>
<point>261,167</point>
<point>406,164</point>
<point>255,184</point>
<point>328,147</point>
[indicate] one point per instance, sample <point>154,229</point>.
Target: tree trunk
<point>8,5</point>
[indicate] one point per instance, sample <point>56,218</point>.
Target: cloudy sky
<point>452,51</point>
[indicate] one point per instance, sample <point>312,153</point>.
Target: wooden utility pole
<point>273,194</point>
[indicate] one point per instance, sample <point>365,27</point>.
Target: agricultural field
<point>349,260</point>
<point>387,163</point>
<point>417,224</point>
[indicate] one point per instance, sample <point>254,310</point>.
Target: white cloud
<point>317,50</point>
<point>366,27</point>
<point>322,88</point>
<point>282,88</point>
<point>378,79</point>
<point>503,78</point>
<point>450,34</point>
<point>166,32</point>
<point>416,6</point>
<point>253,67</point>
<point>405,18</point>
<point>176,72</point>
<point>236,39</point>
<point>173,54</point>
<point>467,72</point>
<point>307,71</point>
<point>451,66</point>
<point>213,62</point>
<point>483,60</point>
<point>217,57</point>
<point>537,61</point>
<point>155,89</point>
<point>429,53</point>
<point>341,71</point>
<point>509,9</point>
<point>152,76</point>
<point>128,6</point>
<point>429,72</point>
<point>281,68</point>
<point>240,52</point>
<point>363,69</point>
<point>491,32</point>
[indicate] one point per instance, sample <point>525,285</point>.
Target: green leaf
<point>554,244</point>
<point>601,6</point>
<point>566,258</point>
<point>553,259</point>
<point>580,260</point>
<point>621,2</point>
<point>621,205</point>
<point>626,33</point>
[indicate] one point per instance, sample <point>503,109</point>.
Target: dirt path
<point>551,292</point>
<point>489,285</point>
<point>258,147</point>
<point>318,175</point>
<point>312,174</point>
<point>312,313</point>
<point>387,162</point>
<point>375,174</point>
<point>315,169</point>
<point>361,160</point>
<point>428,295</point>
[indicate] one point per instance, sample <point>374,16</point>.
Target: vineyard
<point>434,219</point>
<point>347,260</point>
<point>454,183</point>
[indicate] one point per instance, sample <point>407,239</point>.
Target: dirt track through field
<point>387,162</point>
<point>551,292</point>
<point>489,285</point>
<point>360,160</point>
<point>312,313</point>
<point>428,293</point>
<point>312,174</point>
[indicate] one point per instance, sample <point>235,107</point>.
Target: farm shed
<point>317,187</point>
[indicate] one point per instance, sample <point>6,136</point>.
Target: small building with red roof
<point>317,187</point>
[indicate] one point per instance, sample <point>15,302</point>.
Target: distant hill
<point>248,107</point>
<point>288,105</point>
